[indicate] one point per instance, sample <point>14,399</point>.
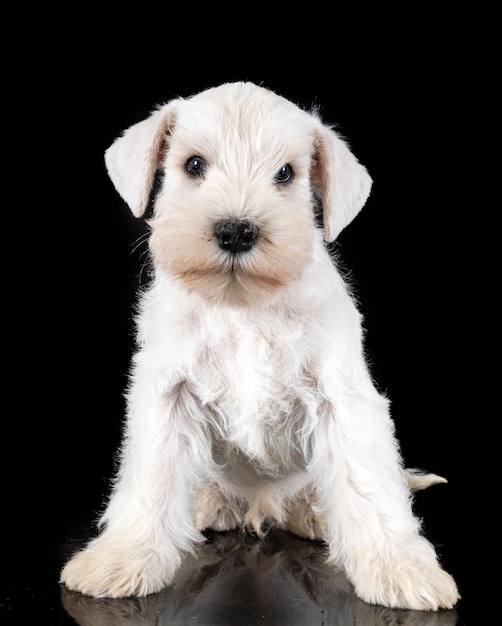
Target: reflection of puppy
<point>250,400</point>
<point>281,579</point>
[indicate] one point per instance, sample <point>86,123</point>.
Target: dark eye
<point>285,174</point>
<point>196,166</point>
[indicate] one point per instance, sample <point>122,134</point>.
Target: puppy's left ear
<point>135,156</point>
<point>342,182</point>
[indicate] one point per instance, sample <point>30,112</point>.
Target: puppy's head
<point>234,218</point>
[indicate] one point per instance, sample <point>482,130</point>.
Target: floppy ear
<point>343,183</point>
<point>135,156</point>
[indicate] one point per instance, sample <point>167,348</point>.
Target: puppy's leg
<point>149,521</point>
<point>302,520</point>
<point>217,510</point>
<point>363,492</point>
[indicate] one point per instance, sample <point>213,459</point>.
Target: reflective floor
<point>234,579</point>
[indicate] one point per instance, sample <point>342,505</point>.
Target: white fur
<point>250,400</point>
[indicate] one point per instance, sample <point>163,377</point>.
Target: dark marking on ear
<point>158,181</point>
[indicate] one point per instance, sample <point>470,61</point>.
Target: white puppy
<point>250,402</point>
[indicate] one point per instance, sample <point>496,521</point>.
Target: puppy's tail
<point>418,479</point>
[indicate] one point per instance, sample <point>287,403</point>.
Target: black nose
<point>234,236</point>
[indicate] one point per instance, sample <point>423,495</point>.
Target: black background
<point>410,97</point>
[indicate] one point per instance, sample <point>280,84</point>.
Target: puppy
<point>250,402</point>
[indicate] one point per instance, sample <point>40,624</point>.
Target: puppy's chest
<point>258,390</point>
<point>250,369</point>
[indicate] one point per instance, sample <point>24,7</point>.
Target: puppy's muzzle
<point>236,236</point>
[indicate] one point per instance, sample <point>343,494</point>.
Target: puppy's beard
<point>192,256</point>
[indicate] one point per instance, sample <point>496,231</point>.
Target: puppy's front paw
<point>108,569</point>
<point>405,583</point>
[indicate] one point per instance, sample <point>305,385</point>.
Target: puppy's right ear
<point>133,158</point>
<point>343,183</point>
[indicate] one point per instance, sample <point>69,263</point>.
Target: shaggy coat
<point>250,402</point>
